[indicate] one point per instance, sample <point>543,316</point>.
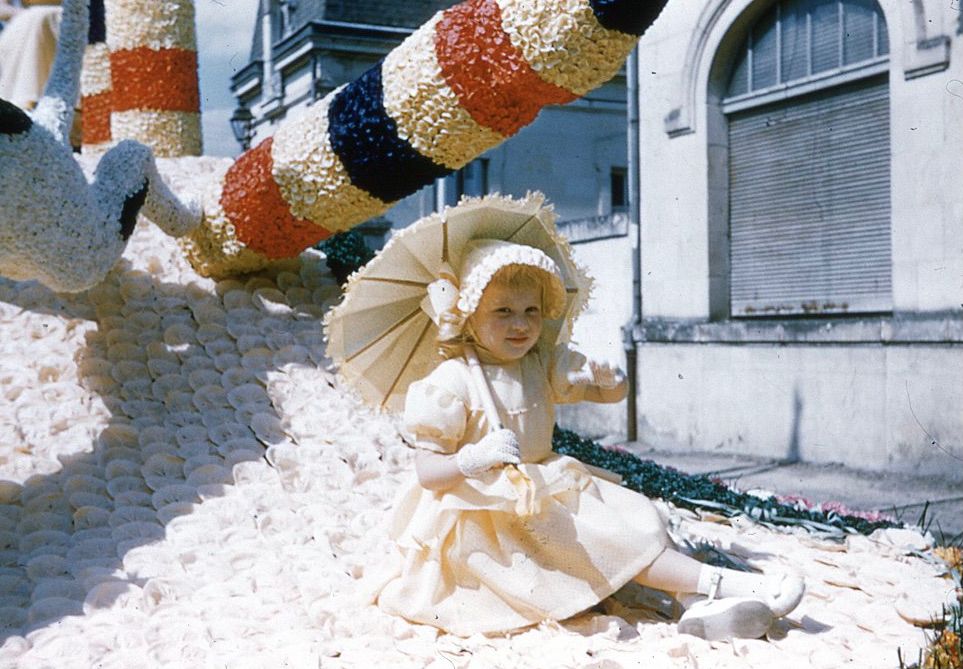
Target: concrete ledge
<point>594,228</point>
<point>899,328</point>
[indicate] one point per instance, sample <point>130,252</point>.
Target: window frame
<point>722,306</point>
<point>811,82</point>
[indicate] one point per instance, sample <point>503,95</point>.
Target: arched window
<point>807,107</point>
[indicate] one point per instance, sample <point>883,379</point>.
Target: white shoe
<point>784,592</point>
<point>726,618</point>
<point>781,592</point>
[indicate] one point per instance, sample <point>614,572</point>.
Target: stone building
<point>802,232</point>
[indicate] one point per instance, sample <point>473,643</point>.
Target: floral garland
<point>95,84</point>
<point>702,492</point>
<point>471,77</point>
<point>153,66</point>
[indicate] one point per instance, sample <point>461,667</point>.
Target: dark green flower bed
<point>703,492</point>
<point>346,252</point>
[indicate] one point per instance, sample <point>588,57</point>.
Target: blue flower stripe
<point>366,140</point>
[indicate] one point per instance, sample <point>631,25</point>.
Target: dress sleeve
<point>435,417</point>
<point>565,359</point>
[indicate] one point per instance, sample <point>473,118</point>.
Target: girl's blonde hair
<point>453,331</point>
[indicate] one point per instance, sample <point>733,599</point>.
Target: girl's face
<point>508,320</point>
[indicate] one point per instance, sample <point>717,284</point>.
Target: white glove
<point>601,374</point>
<point>495,448</point>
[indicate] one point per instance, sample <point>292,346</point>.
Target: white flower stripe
<point>157,24</point>
<point>168,133</point>
<point>95,75</point>
<point>311,177</point>
<point>564,42</point>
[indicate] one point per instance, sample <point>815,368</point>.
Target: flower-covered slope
<point>185,484</point>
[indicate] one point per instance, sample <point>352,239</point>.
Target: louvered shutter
<point>810,203</point>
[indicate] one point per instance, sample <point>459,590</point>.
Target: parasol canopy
<point>383,334</point>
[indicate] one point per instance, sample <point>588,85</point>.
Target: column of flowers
<point>468,79</point>
<point>153,64</point>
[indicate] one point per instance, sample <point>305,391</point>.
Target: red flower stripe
<point>95,117</point>
<point>155,80</point>
<point>262,219</point>
<point>492,79</point>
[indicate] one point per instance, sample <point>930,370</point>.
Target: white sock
<point>731,583</point>
<point>781,593</point>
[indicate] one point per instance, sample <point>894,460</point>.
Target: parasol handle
<point>481,383</point>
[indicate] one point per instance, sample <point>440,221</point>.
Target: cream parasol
<point>383,333</point>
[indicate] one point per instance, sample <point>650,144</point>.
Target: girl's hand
<point>493,450</point>
<point>601,374</point>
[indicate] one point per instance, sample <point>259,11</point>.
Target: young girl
<point>498,532</point>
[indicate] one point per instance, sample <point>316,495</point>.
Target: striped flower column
<point>465,81</point>
<point>153,62</point>
<point>95,86</point>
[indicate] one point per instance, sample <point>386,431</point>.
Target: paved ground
<point>902,496</point>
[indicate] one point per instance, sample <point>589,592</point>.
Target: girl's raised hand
<point>601,374</point>
<point>494,449</point>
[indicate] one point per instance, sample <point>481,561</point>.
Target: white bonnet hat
<point>484,257</point>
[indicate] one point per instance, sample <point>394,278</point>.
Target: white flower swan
<point>55,227</point>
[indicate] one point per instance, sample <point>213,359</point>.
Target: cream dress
<point>517,545</point>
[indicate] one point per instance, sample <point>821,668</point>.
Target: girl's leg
<point>672,571</point>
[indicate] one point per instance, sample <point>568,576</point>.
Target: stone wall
<point>877,392</point>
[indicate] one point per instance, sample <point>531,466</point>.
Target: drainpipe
<point>629,343</point>
<point>268,91</point>
<point>441,193</point>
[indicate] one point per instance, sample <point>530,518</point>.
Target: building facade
<point>802,231</point>
<point>304,49</point>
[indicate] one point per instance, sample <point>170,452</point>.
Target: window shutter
<point>810,203</point>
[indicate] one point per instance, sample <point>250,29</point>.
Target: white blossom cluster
<point>95,75</point>
<point>168,133</point>
<point>155,24</point>
<point>564,42</point>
